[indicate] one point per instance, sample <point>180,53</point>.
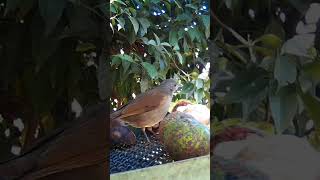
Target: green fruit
<point>184,137</point>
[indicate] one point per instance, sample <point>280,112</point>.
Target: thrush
<point>148,108</point>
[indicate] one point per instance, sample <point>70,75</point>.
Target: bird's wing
<point>147,102</point>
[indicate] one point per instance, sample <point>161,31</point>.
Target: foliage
<point>263,69</point>
<point>155,40</point>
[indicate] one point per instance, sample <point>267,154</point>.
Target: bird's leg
<point>144,132</point>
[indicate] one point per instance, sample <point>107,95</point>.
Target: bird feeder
<point>150,161</point>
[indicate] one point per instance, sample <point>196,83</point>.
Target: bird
<point>148,108</point>
<point>77,151</point>
<point>121,134</point>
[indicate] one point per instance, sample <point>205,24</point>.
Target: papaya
<point>183,136</point>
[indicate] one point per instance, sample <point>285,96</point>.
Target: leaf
<point>198,95</point>
<point>299,45</point>
<point>187,88</point>
<point>145,24</point>
<point>51,11</point>
<point>199,83</point>
<point>312,105</point>
<point>173,38</point>
<point>135,24</point>
<point>120,2</point>
<point>251,103</point>
<point>191,6</point>
<point>116,61</point>
<point>246,84</point>
<point>121,22</point>
<point>144,40</point>
<point>185,45</point>
<point>270,40</point>
<point>312,71</point>
<point>285,71</point>
<point>180,58</point>
<point>193,33</point>
<point>152,71</point>
<point>125,66</point>
<point>284,106</point>
<point>206,20</point>
<point>183,17</point>
<point>166,44</point>
<point>125,57</point>
<point>157,39</point>
<point>152,42</point>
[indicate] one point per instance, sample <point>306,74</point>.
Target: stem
<point>234,33</point>
<point>181,71</point>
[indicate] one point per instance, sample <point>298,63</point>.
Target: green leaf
<point>121,22</point>
<point>120,2</point>
<point>157,39</point>
<point>246,84</point>
<point>193,33</point>
<point>173,38</point>
<point>180,58</point>
<point>135,24</point>
<point>185,45</point>
<point>270,40</point>
<point>125,57</point>
<point>199,83</point>
<point>125,66</point>
<point>284,106</point>
<point>191,6</point>
<point>312,71</point>
<point>312,105</point>
<point>132,37</point>
<point>251,103</point>
<point>183,17</point>
<point>206,22</point>
<point>51,11</point>
<point>152,42</point>
<point>116,61</point>
<point>285,71</point>
<point>152,71</point>
<point>166,44</point>
<point>198,95</point>
<point>145,24</point>
<point>144,40</point>
<point>187,88</point>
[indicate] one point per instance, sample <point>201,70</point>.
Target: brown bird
<point>148,108</point>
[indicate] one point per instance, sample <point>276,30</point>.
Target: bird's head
<point>170,84</point>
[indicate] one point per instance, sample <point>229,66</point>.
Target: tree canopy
<point>154,40</point>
